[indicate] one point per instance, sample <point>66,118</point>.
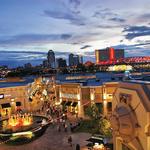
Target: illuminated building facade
<point>13,99</point>
<point>108,54</point>
<point>130,118</point>
<point>21,94</point>
<point>76,97</point>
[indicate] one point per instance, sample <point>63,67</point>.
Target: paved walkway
<point>52,140</point>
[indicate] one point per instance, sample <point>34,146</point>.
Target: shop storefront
<point>69,96</point>
<point>75,98</point>
<point>70,106</point>
<point>5,109</point>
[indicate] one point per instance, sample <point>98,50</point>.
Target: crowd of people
<point>58,118</point>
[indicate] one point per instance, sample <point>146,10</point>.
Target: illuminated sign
<point>1,96</point>
<point>80,77</point>
<point>73,96</point>
<point>119,68</point>
<point>7,95</point>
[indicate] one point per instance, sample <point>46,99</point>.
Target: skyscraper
<point>45,63</point>
<point>51,58</point>
<point>71,60</point>
<point>80,59</point>
<point>61,63</point>
<point>74,60</point>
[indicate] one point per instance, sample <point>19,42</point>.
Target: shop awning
<point>74,104</point>
<point>18,103</point>
<point>68,103</point>
<point>6,105</point>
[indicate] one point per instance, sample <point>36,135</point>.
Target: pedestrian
<point>71,127</point>
<point>47,112</point>
<point>58,128</point>
<point>66,127</point>
<point>42,108</point>
<point>70,141</point>
<point>61,120</point>
<point>77,147</point>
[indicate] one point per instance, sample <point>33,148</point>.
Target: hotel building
<point>108,54</point>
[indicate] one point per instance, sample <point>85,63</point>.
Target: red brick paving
<point>51,140</point>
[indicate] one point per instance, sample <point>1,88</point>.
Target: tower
<point>71,59</point>
<point>51,58</point>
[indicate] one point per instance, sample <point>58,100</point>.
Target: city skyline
<point>75,26</point>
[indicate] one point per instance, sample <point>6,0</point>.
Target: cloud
<point>136,31</point>
<point>76,3</point>
<point>23,52</point>
<point>71,16</point>
<point>147,16</point>
<point>19,58</point>
<point>139,49</point>
<point>86,46</point>
<point>65,36</point>
<point>106,26</point>
<point>104,13</point>
<point>116,19</point>
<point>131,46</point>
<point>34,39</point>
<point>144,17</point>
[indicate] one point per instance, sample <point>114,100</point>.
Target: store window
<point>109,106</point>
<point>5,109</point>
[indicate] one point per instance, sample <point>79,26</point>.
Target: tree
<point>92,112</point>
<point>104,126</point>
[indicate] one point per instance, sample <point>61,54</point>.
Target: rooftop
<point>87,79</point>
<point>24,82</point>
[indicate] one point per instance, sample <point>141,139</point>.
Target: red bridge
<point>127,60</point>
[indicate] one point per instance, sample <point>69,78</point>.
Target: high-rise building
<point>108,54</point>
<point>51,58</point>
<point>119,53</point>
<point>74,60</point>
<point>45,63</point>
<point>61,63</point>
<point>71,59</point>
<point>28,66</point>
<point>80,59</point>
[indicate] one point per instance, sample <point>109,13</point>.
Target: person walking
<point>66,127</point>
<point>58,128</point>
<point>77,147</point>
<point>70,141</point>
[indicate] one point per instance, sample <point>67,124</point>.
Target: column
<point>80,104</point>
<point>104,97</point>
